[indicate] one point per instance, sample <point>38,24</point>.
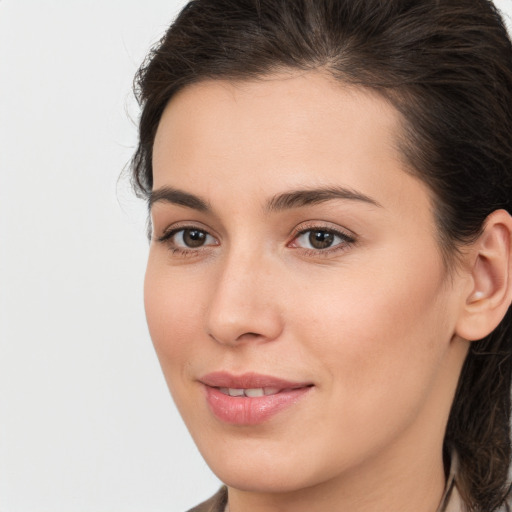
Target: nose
<point>245,306</point>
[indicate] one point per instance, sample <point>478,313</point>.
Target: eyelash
<point>168,235</point>
<point>346,240</point>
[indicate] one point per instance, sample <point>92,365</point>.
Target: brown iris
<point>194,237</point>
<point>321,239</point>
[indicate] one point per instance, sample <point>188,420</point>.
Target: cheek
<point>381,335</point>
<point>172,311</point>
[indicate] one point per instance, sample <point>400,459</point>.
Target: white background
<point>86,423</point>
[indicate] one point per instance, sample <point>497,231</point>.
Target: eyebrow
<point>285,201</point>
<point>178,197</point>
<point>307,197</point>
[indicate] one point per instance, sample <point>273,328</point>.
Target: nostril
<point>246,336</point>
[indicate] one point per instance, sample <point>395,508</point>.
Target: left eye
<point>320,239</point>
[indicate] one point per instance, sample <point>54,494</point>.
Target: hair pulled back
<point>446,65</point>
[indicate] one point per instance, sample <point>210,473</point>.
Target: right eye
<point>192,238</point>
<point>185,239</point>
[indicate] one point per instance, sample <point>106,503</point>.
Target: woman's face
<point>295,291</point>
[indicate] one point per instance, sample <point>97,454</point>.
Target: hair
<point>446,66</point>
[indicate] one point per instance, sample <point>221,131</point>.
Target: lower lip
<point>238,410</point>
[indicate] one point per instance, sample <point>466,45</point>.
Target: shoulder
<point>217,503</point>
<point>507,507</point>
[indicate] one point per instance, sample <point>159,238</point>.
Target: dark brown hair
<point>446,65</point>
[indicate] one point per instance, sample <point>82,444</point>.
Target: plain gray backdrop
<point>86,421</point>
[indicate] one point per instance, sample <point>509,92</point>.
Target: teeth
<point>250,392</point>
<point>254,392</point>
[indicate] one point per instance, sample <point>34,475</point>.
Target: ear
<point>490,284</point>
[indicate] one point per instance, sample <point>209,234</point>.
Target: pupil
<point>321,239</point>
<point>194,237</point>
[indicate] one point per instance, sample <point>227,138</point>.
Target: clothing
<point>451,501</point>
<point>217,503</point>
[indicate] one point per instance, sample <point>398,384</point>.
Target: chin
<point>264,480</point>
<point>267,470</point>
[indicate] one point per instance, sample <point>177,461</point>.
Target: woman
<point>329,281</point>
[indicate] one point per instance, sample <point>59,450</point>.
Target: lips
<point>250,399</point>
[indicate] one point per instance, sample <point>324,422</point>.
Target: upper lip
<point>249,380</point>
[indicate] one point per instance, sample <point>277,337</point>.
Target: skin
<point>371,321</point>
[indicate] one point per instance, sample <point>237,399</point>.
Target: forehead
<point>276,113</point>
<point>280,132</point>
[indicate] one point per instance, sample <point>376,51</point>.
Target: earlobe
<point>491,279</point>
